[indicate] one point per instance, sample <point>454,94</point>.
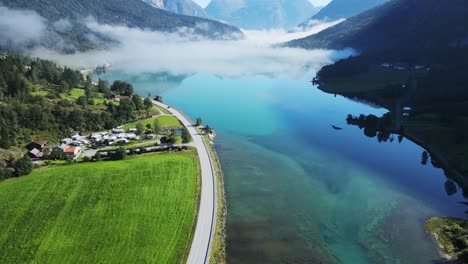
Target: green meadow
<point>139,210</point>
<point>165,122</point>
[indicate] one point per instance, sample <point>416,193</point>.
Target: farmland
<point>138,210</point>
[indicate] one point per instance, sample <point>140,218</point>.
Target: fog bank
<point>180,53</point>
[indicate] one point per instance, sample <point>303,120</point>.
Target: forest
<point>35,103</point>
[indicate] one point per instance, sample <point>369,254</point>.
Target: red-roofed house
<point>72,152</point>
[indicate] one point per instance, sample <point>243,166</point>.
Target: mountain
<point>408,28</point>
<point>132,13</point>
<point>261,14</point>
<point>337,9</point>
<point>182,7</point>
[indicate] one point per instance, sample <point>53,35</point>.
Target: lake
<point>299,190</point>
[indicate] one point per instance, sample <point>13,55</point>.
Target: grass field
<point>140,210</point>
<point>76,93</point>
<point>163,110</point>
<point>164,121</point>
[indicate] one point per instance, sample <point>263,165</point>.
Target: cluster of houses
<point>115,136</point>
<point>404,66</point>
<point>71,148</point>
<point>40,149</point>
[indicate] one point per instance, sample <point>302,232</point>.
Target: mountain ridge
<point>261,14</point>
<point>130,13</point>
<point>395,28</point>
<point>181,7</point>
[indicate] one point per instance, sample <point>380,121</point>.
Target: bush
<point>120,153</point>
<point>23,166</point>
<point>97,156</point>
<point>86,159</point>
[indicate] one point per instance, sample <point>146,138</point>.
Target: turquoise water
<point>299,191</point>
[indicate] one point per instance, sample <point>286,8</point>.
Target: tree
<point>138,102</point>
<point>157,126</point>
<point>186,136</point>
<point>199,121</point>
<point>4,173</point>
<point>71,77</point>
<point>97,156</point>
<point>171,138</point>
<point>82,100</point>
<point>122,87</point>
<point>120,153</point>
<point>23,166</point>
<point>207,129</point>
<point>103,87</point>
<point>140,128</point>
<point>148,104</point>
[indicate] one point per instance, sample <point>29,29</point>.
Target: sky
<point>204,3</point>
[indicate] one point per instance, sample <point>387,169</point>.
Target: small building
<point>123,141</point>
<point>55,151</point>
<point>111,96</point>
<point>72,152</point>
<point>38,144</point>
<point>35,153</point>
<point>131,136</point>
<point>401,66</point>
<point>95,138</point>
<point>118,131</point>
<point>66,141</point>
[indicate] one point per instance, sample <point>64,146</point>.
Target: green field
<point>163,110</point>
<point>140,210</point>
<point>164,121</point>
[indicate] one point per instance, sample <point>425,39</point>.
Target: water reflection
<point>390,125</point>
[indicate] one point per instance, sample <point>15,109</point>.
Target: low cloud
<point>19,27</point>
<point>182,53</point>
<point>62,25</point>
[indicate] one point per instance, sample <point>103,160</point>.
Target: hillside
<point>337,9</point>
<point>261,14</point>
<point>182,7</point>
<point>399,28</point>
<point>132,13</point>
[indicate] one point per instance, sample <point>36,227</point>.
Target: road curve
<point>200,250</point>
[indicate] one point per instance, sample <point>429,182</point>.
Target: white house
<point>118,131</point>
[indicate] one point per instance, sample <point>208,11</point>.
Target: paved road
<point>204,232</point>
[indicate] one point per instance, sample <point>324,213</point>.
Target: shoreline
<point>208,242</point>
<point>218,252</point>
